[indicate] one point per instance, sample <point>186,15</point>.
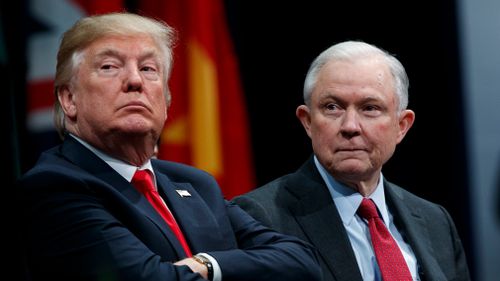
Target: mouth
<point>135,105</point>
<point>351,149</point>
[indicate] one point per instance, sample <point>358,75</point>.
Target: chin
<point>136,125</point>
<point>351,166</point>
<point>353,171</point>
<point>134,130</point>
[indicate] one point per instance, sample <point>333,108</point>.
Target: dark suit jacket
<point>300,204</point>
<point>83,221</point>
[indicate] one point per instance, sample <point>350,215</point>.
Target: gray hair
<point>89,29</point>
<point>350,50</point>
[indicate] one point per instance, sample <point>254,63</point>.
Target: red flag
<point>54,17</point>
<point>207,124</point>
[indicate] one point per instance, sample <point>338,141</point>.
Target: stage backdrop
<point>480,45</point>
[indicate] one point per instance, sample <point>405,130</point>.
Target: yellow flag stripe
<point>176,132</point>
<point>204,111</point>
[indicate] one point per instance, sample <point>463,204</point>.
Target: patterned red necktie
<point>143,181</point>
<point>389,257</point>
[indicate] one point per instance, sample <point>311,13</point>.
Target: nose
<point>132,81</point>
<point>350,126</point>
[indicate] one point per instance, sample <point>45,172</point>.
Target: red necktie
<point>389,257</point>
<point>143,181</point>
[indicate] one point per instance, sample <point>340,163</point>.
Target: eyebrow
<point>108,52</point>
<point>333,96</point>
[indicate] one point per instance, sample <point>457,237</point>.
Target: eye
<point>148,69</point>
<point>331,106</point>
<point>372,110</point>
<point>331,109</point>
<point>107,66</point>
<point>150,72</point>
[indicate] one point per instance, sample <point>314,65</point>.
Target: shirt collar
<point>348,200</point>
<point>123,168</point>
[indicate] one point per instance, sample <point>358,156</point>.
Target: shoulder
<point>306,175</point>
<point>267,191</point>
<point>400,197</point>
<point>178,171</point>
<point>397,191</point>
<point>55,181</point>
<point>50,167</point>
<point>269,202</point>
<point>262,203</point>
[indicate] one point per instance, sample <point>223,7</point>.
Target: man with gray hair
<point>365,227</point>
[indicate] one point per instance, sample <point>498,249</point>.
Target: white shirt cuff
<point>215,265</point>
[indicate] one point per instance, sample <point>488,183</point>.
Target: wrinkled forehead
<point>124,43</point>
<point>373,72</point>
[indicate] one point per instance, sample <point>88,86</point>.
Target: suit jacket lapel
<point>316,213</point>
<point>192,214</point>
<point>413,227</point>
<point>87,160</point>
<point>176,208</point>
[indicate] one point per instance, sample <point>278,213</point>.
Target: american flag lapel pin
<point>183,193</point>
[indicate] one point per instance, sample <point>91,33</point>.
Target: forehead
<point>364,75</point>
<point>362,70</point>
<point>123,44</point>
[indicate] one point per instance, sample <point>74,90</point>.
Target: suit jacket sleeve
<point>258,252</point>
<point>265,254</point>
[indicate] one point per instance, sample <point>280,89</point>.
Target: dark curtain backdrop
<point>275,43</point>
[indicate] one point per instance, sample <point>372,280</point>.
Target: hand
<point>194,266</point>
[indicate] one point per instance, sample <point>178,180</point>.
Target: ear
<point>406,119</point>
<point>67,100</point>
<point>304,114</point>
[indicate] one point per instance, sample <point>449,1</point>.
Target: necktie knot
<point>143,181</point>
<point>367,209</point>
